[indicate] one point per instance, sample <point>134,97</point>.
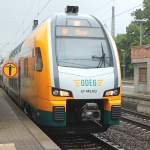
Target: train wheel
<point>27,109</point>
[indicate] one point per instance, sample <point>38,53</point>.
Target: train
<point>68,75</point>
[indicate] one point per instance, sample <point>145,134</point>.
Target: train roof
<point>71,19</point>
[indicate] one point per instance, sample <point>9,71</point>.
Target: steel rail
<point>143,123</point>
<point>87,142</point>
<point>144,116</point>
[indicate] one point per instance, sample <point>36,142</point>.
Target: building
<point>140,57</point>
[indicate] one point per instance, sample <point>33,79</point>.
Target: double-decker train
<point>68,74</point>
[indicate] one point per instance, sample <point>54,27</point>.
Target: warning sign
<point>10,70</point>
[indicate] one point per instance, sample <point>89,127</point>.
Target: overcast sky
<point>16,16</point>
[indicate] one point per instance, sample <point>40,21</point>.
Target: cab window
<point>38,59</point>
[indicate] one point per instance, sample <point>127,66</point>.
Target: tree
<point>132,36</point>
<point>144,14</point>
<point>123,43</point>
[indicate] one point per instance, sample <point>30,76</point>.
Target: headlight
<point>61,92</point>
<point>112,92</point>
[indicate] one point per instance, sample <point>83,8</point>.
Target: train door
<point>19,83</point>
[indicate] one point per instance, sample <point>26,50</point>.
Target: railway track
<point>144,116</point>
<point>84,142</point>
<point>136,118</point>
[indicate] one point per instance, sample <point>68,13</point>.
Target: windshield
<point>82,47</point>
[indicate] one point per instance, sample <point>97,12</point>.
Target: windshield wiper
<point>77,64</point>
<point>101,58</point>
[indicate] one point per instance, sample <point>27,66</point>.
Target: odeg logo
<point>88,82</point>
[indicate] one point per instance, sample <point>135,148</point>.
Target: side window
<point>38,59</point>
<point>33,59</point>
<point>26,67</point>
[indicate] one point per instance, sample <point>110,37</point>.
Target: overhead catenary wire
<point>43,8</point>
<point>23,21</point>
<point>36,16</point>
<point>28,27</point>
<point>2,46</point>
<point>125,11</point>
<point>102,6</point>
<point>106,12</point>
<point>48,2</point>
<point>128,10</point>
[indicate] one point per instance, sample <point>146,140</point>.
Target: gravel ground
<point>128,137</point>
<point>138,119</point>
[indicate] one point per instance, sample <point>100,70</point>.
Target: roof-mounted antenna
<point>72,9</point>
<point>35,24</point>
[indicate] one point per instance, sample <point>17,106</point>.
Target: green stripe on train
<point>46,118</point>
<point>108,119</point>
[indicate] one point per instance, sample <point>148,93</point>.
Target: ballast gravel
<point>129,137</point>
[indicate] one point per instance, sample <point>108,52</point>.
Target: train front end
<point>84,72</point>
